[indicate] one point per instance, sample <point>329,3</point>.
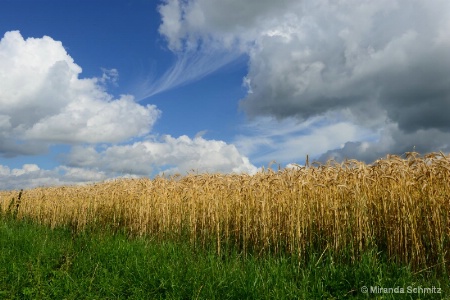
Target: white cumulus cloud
<point>31,176</point>
<point>43,100</point>
<point>169,155</point>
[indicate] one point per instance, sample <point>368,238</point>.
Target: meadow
<point>395,211</point>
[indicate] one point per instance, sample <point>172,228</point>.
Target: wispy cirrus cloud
<point>188,66</point>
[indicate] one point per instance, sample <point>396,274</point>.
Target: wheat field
<point>400,205</point>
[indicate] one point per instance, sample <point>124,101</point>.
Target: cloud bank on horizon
<point>333,79</point>
<point>378,66</point>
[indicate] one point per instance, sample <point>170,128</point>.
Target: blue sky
<point>91,90</point>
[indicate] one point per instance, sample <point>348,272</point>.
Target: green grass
<point>39,263</point>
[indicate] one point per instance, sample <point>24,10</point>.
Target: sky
<point>94,89</point>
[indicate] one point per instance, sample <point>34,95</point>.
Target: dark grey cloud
<point>12,148</point>
<point>397,65</point>
<point>418,97</point>
<point>393,141</point>
<point>382,65</point>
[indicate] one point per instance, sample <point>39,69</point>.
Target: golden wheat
<point>402,206</point>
